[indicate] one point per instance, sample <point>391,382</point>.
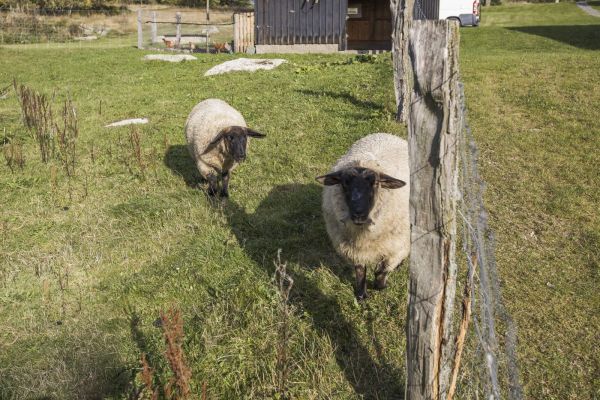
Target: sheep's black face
<point>236,143</point>
<point>359,186</point>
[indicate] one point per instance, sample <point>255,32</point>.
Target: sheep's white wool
<point>204,123</point>
<point>387,238</point>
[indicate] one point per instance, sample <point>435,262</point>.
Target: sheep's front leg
<point>225,188</point>
<point>361,282</point>
<point>381,275</point>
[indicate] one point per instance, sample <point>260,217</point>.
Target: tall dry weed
<point>178,386</point>
<point>135,141</point>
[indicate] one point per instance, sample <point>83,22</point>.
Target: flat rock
<point>245,65</point>
<point>169,57</point>
<point>131,121</point>
<point>86,37</point>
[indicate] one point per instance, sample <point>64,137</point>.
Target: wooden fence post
<point>140,43</point>
<point>434,124</point>
<point>402,16</point>
<point>154,28</point>
<point>178,35</point>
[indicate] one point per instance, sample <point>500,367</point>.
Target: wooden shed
<point>310,25</point>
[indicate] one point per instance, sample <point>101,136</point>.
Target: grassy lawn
<point>89,262</point>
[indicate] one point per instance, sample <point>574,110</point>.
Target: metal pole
<point>154,28</point>
<point>140,43</point>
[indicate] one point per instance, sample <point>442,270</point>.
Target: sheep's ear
<point>254,134</point>
<point>219,137</point>
<point>330,179</point>
<point>387,182</point>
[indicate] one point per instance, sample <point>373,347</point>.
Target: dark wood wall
<point>373,29</point>
<point>301,21</point>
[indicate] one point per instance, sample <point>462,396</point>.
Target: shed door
<point>369,25</point>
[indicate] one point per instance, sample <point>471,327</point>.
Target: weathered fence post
<point>154,28</point>
<point>402,16</point>
<point>140,43</point>
<point>434,123</point>
<point>178,35</point>
<point>208,10</point>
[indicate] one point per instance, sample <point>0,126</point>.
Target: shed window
<point>354,10</point>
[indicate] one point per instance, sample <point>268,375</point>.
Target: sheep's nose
<point>359,219</point>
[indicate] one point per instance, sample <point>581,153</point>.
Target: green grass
<point>126,244</point>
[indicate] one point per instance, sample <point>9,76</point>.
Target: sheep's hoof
<point>380,281</point>
<point>362,296</point>
<point>212,192</point>
<point>380,284</point>
<point>224,193</point>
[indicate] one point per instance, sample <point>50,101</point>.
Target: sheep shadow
<point>366,104</point>
<point>289,218</point>
<point>177,158</point>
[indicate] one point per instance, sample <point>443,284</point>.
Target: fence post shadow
<point>290,218</point>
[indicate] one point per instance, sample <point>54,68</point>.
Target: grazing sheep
<point>365,205</point>
<point>217,139</point>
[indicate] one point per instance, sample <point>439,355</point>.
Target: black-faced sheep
<point>365,206</point>
<point>217,138</point>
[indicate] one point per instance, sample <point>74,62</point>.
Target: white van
<point>467,12</point>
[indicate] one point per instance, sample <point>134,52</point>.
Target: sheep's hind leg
<point>212,185</point>
<point>361,282</point>
<point>225,188</point>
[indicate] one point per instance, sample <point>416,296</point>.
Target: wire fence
<point>490,370</point>
<point>186,30</point>
<point>72,27</point>
<point>34,27</point>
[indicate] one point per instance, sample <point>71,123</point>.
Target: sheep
<point>365,207</point>
<point>217,135</point>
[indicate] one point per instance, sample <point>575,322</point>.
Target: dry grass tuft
<point>284,284</point>
<point>67,137</point>
<point>37,116</point>
<point>13,154</point>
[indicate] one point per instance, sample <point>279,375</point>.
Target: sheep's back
<point>379,151</point>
